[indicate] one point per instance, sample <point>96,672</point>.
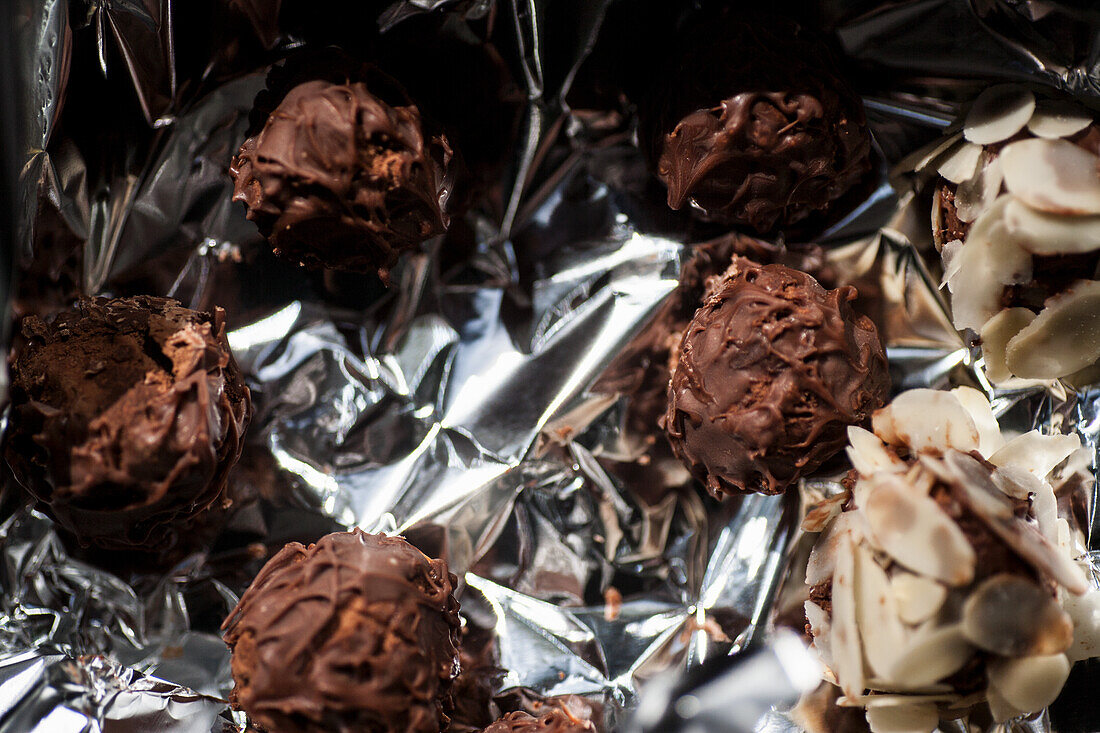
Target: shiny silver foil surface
<point>461,407</point>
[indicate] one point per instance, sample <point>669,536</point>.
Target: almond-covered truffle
<point>344,176</point>
<point>946,579</point>
<point>357,633</point>
<point>772,370</point>
<point>126,416</point>
<point>1016,216</point>
<point>752,125</point>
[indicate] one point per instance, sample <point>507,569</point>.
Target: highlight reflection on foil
<point>458,407</point>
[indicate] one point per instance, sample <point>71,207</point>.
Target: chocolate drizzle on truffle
<point>643,370</point>
<point>127,415</point>
<point>772,370</point>
<point>357,632</point>
<point>341,178</point>
<point>755,127</point>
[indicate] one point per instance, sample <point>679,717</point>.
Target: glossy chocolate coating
<point>772,371</point>
<point>646,366</point>
<point>356,633</point>
<point>127,415</point>
<point>340,178</point>
<point>754,127</point>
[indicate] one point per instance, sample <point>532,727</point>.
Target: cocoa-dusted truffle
<point>556,720</point>
<point>946,577</point>
<point>343,177</point>
<point>126,417</point>
<point>773,369</point>
<point>752,125</point>
<point>357,632</point>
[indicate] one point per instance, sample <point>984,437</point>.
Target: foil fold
<point>460,407</point>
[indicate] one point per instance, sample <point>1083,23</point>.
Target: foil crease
<point>460,407</point>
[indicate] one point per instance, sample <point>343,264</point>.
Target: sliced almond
<point>996,333</point>
<point>819,516</point>
<point>822,562</point>
<point>977,406</point>
<point>971,484</point>
<point>917,598</point>
<point>914,531</point>
<point>889,700</point>
<point>988,261</point>
<point>1054,119</point>
<point>1029,683</point>
<point>931,153</point>
<point>960,163</point>
<point>931,656</point>
<point>1045,507</point>
<point>1063,339</point>
<point>912,718</point>
<point>817,617</point>
<point>976,195</point>
<point>1014,617</point>
<point>1085,612</point>
<point>868,455</point>
<point>844,639</point>
<point>1016,483</point>
<point>880,628</point>
<point>1055,176</point>
<point>998,113</point>
<point>820,627</point>
<point>926,420</point>
<point>951,262</point>
<point>1000,709</point>
<point>1036,453</point>
<point>1041,233</point>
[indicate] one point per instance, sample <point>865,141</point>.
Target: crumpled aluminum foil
<point>458,407</point>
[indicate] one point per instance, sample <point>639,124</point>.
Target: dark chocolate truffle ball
<point>126,417</point>
<point>752,125</point>
<point>773,369</point>
<point>341,178</point>
<point>357,632</point>
<point>556,720</point>
<point>645,367</point>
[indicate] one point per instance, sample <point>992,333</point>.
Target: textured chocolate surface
<point>556,720</point>
<point>645,368</point>
<point>753,126</point>
<point>126,417</point>
<point>772,370</point>
<point>356,633</point>
<point>478,679</point>
<point>341,178</point>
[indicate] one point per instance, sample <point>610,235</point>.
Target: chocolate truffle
<point>643,370</point>
<point>357,632</point>
<point>1014,216</point>
<point>556,720</point>
<point>945,574</point>
<point>127,415</point>
<point>344,178</point>
<point>752,125</point>
<point>773,369</point>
